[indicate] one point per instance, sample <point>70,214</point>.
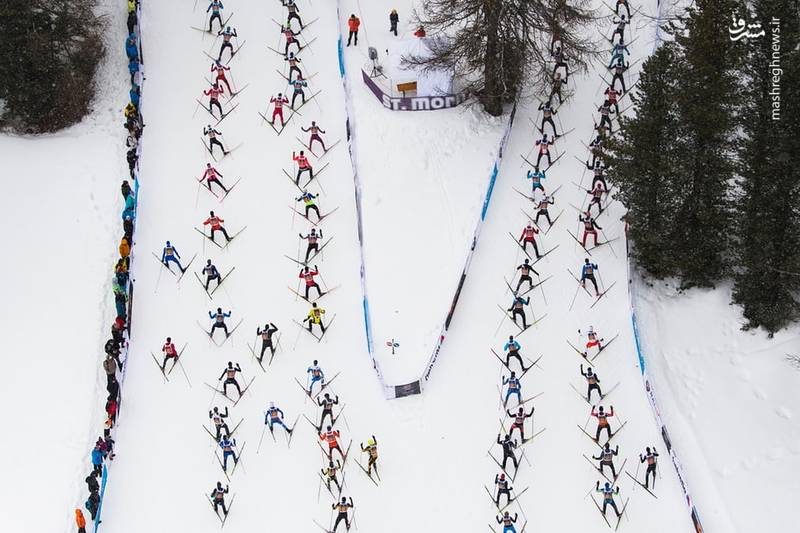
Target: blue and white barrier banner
<point>468,261</point>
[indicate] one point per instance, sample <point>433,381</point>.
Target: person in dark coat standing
<point>394,18</point>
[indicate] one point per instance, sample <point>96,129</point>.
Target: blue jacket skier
<point>316,375</point>
<point>227,446</point>
<point>297,84</point>
<point>219,321</point>
<point>608,497</point>
<point>513,387</point>
<point>512,347</point>
<point>274,415</point>
<point>536,180</point>
<point>587,272</point>
<point>507,521</point>
<point>215,6</point>
<point>170,253</point>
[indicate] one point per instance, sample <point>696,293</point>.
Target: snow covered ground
<point>730,401</point>
<point>424,178</point>
<point>424,175</point>
<point>433,447</point>
<point>61,207</point>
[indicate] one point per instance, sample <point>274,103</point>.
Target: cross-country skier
<point>331,437</point>
<point>215,7</point>
<point>620,29</point>
<point>605,115</point>
<point>212,175</point>
<point>547,116</point>
<point>606,458</point>
<point>507,521</point>
<point>227,35</point>
<point>218,419</point>
<point>227,446</point>
<point>596,146</point>
<point>597,192</point>
<point>170,352</point>
<point>513,387</point>
<point>297,85</point>
<point>308,199</point>
<point>212,133</point>
<point>211,273</point>
<point>330,474</point>
<point>170,254</point>
<point>650,457</point>
<point>536,178</point>
<point>213,94</point>
<point>315,317</point>
<point>602,417</point>
<point>293,61</point>
<point>608,497</point>
<point>518,309</point>
<point>622,3</point>
<point>619,70</point>
<point>219,321</point>
<point>525,270</point>
<point>597,169</point>
<point>587,273</point>
<point>266,339</point>
<point>372,450</point>
<point>590,227</point>
<point>342,507</point>
<point>290,36</point>
<point>216,225</point>
<point>512,347</point>
<point>313,242</point>
<point>218,497</point>
<point>316,375</point>
<point>503,487</point>
<point>274,415</point>
<point>303,165</point>
<point>308,276</point>
<point>560,60</point>
<point>519,421</point>
<point>544,145</point>
<point>327,403</point>
<point>315,135</point>
<point>230,378</point>
<point>592,383</point>
<point>278,101</point>
<point>618,52</point>
<point>294,13</point>
<point>219,69</point>
<point>541,209</point>
<point>528,236</point>
<point>612,96</point>
<point>592,340</point>
<point>508,445</point>
<point>558,84</point>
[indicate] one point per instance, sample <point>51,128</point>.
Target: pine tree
<point>51,49</point>
<point>707,100</point>
<point>767,280</point>
<point>500,47</point>
<point>644,162</point>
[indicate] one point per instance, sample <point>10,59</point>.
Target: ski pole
<point>574,296</point>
